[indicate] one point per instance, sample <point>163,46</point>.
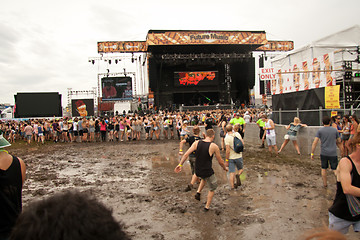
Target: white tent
<point>348,39</point>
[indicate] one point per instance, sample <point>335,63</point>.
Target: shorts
<point>81,132</point>
<point>147,129</point>
<point>211,182</point>
<point>222,134</point>
<point>76,133</point>
<point>271,140</point>
<point>290,137</point>
<point>342,225</point>
<point>91,129</point>
<point>261,134</point>
<point>325,160</point>
<point>28,137</point>
<point>41,134</point>
<point>192,164</point>
<point>85,131</point>
<point>238,162</point>
<point>345,137</point>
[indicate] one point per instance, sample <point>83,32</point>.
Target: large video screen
<point>82,107</point>
<point>38,105</point>
<point>205,78</point>
<point>116,88</point>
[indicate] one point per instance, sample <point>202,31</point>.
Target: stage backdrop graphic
<point>116,88</point>
<point>82,107</point>
<point>309,74</point>
<point>205,78</point>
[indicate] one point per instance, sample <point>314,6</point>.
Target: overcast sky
<point>45,45</point>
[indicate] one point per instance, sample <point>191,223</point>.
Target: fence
<point>312,117</point>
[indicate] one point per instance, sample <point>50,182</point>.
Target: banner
<point>116,88</point>
<point>82,107</point>
<point>129,46</point>
<point>277,46</point>
<point>309,74</point>
<point>332,95</point>
<point>205,37</point>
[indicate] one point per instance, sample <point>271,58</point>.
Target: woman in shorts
<point>345,136</point>
<point>111,130</point>
<point>222,124</point>
<point>293,129</point>
<point>122,125</point>
<point>92,129</point>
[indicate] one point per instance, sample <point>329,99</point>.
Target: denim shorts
<point>342,225</point>
<point>325,160</point>
<point>238,162</point>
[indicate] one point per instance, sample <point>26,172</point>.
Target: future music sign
<point>173,37</point>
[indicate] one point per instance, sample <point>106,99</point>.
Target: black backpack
<point>238,145</point>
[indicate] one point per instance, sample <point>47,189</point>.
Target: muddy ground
<point>280,198</point>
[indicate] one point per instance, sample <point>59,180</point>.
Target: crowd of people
<point>122,128</point>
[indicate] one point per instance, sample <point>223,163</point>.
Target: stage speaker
<point>262,87</point>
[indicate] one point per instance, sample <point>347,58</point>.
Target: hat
<point>3,141</point>
<point>237,114</point>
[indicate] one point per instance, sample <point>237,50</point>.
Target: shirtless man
<point>205,150</point>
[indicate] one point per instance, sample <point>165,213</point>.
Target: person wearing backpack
<point>233,156</point>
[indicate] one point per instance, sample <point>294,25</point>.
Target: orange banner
<point>205,37</point>
<point>128,46</point>
<point>277,46</point>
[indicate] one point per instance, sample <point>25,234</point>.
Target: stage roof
<point>174,40</point>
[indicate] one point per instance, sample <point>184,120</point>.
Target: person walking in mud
<point>345,209</point>
<point>192,157</point>
<point>233,159</point>
<point>205,150</point>
<point>12,177</point>
<point>329,138</point>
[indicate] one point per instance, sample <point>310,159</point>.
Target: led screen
<point>82,107</point>
<point>205,78</point>
<point>116,88</point>
<point>38,105</point>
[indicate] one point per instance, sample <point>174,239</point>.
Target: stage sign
<point>277,46</point>
<point>205,78</point>
<point>82,107</point>
<point>116,88</point>
<point>110,47</point>
<point>309,74</point>
<point>332,97</point>
<point>205,37</point>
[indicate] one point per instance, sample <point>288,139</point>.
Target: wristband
<point>312,154</point>
<point>180,150</point>
<point>226,160</point>
<point>180,165</point>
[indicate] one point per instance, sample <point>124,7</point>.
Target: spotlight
<point>132,60</point>
<point>116,61</point>
<point>93,61</point>
<point>109,61</point>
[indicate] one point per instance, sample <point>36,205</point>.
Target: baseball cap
<point>3,141</point>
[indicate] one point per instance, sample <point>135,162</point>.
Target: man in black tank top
<point>205,150</point>
<point>12,176</point>
<point>191,140</point>
<point>345,210</point>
